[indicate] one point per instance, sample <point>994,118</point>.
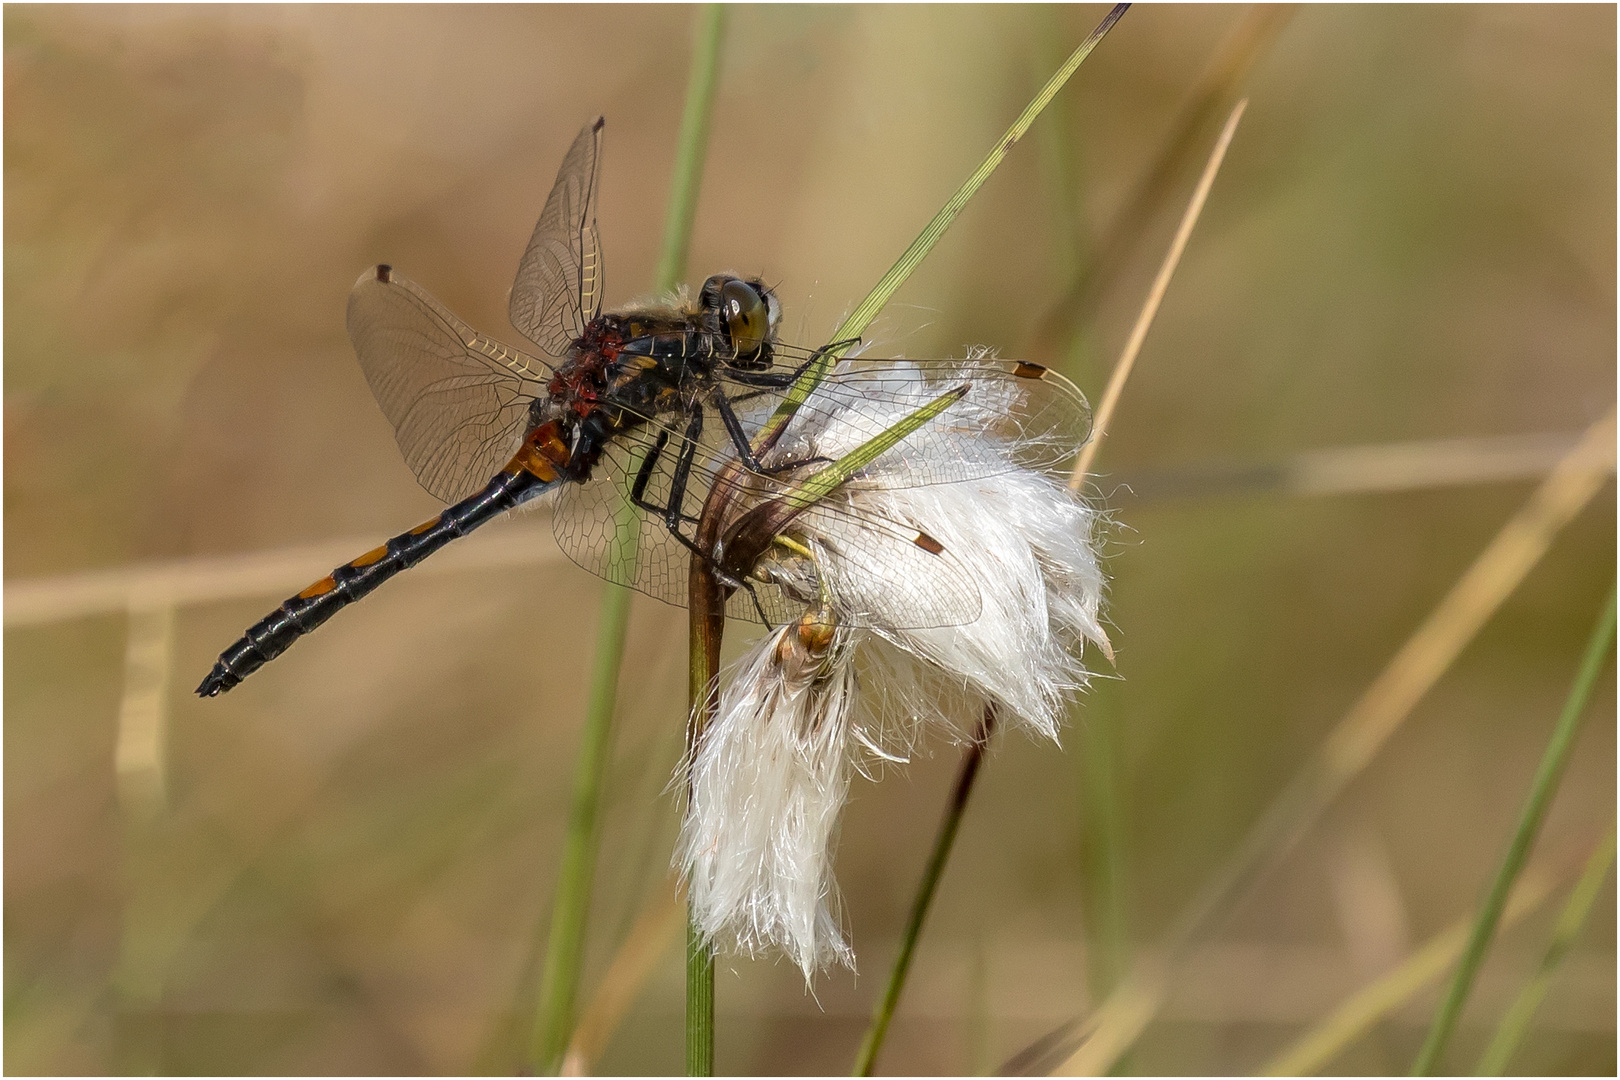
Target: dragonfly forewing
<point>558,289</point>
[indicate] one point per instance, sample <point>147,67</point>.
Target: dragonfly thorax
<point>654,360</point>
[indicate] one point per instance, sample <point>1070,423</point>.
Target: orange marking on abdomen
<point>543,452</point>
<point>547,442</point>
<point>371,556</point>
<point>320,588</point>
<point>422,528</point>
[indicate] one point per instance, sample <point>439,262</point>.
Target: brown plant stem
<point>972,758</point>
<point>706,606</point>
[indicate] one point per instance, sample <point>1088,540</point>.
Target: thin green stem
<point>972,757</point>
<point>1102,873</point>
<point>1542,790</point>
<point>705,645</point>
<point>699,1002</point>
<point>565,944</point>
<point>868,309</point>
<point>1579,905</point>
<point>693,147</point>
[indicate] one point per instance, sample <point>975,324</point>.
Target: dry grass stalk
<point>1249,40</point>
<point>1324,1040</point>
<point>1150,309</point>
<point>655,930</point>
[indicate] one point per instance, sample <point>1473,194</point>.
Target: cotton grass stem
<point>1351,746</point>
<point>972,758</point>
<point>705,650</point>
<point>1570,920</point>
<point>1542,790</point>
<point>565,945</point>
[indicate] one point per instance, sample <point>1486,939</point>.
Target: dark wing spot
<point>928,544</point>
<point>383,272</point>
<point>1025,370</point>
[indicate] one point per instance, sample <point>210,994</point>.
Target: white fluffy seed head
<point>1019,571</point>
<point>765,789</point>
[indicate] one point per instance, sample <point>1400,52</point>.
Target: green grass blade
<point>912,257</point>
<point>1355,1016</point>
<point>868,309</point>
<point>1542,790</point>
<point>694,138</point>
<point>693,148</point>
<point>565,945</point>
<point>1517,1020</point>
<point>1102,855</point>
<point>825,481</point>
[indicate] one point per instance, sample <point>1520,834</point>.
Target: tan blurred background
<point>346,865</point>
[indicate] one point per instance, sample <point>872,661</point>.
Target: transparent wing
<point>458,400</point>
<point>559,282</point>
<point>599,528</point>
<point>1014,415</point>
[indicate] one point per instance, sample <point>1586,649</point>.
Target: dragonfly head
<point>744,314</point>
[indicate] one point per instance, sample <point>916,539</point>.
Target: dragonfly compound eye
<point>747,316</point>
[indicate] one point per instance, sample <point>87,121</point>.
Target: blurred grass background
<point>1413,238</point>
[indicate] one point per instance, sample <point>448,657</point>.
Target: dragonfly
<point>628,418</point>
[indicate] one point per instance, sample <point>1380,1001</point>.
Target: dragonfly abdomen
<point>298,615</point>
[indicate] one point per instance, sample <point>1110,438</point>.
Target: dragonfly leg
<point>638,489</point>
<point>673,518</point>
<point>683,472</point>
<point>745,451</point>
<point>781,379</point>
<point>754,596</point>
<point>721,574</point>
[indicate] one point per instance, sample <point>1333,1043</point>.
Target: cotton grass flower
<point>894,641</point>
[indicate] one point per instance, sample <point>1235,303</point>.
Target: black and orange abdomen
<point>298,615</point>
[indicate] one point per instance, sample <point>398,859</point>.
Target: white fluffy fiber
<point>771,774</point>
<point>766,788</point>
